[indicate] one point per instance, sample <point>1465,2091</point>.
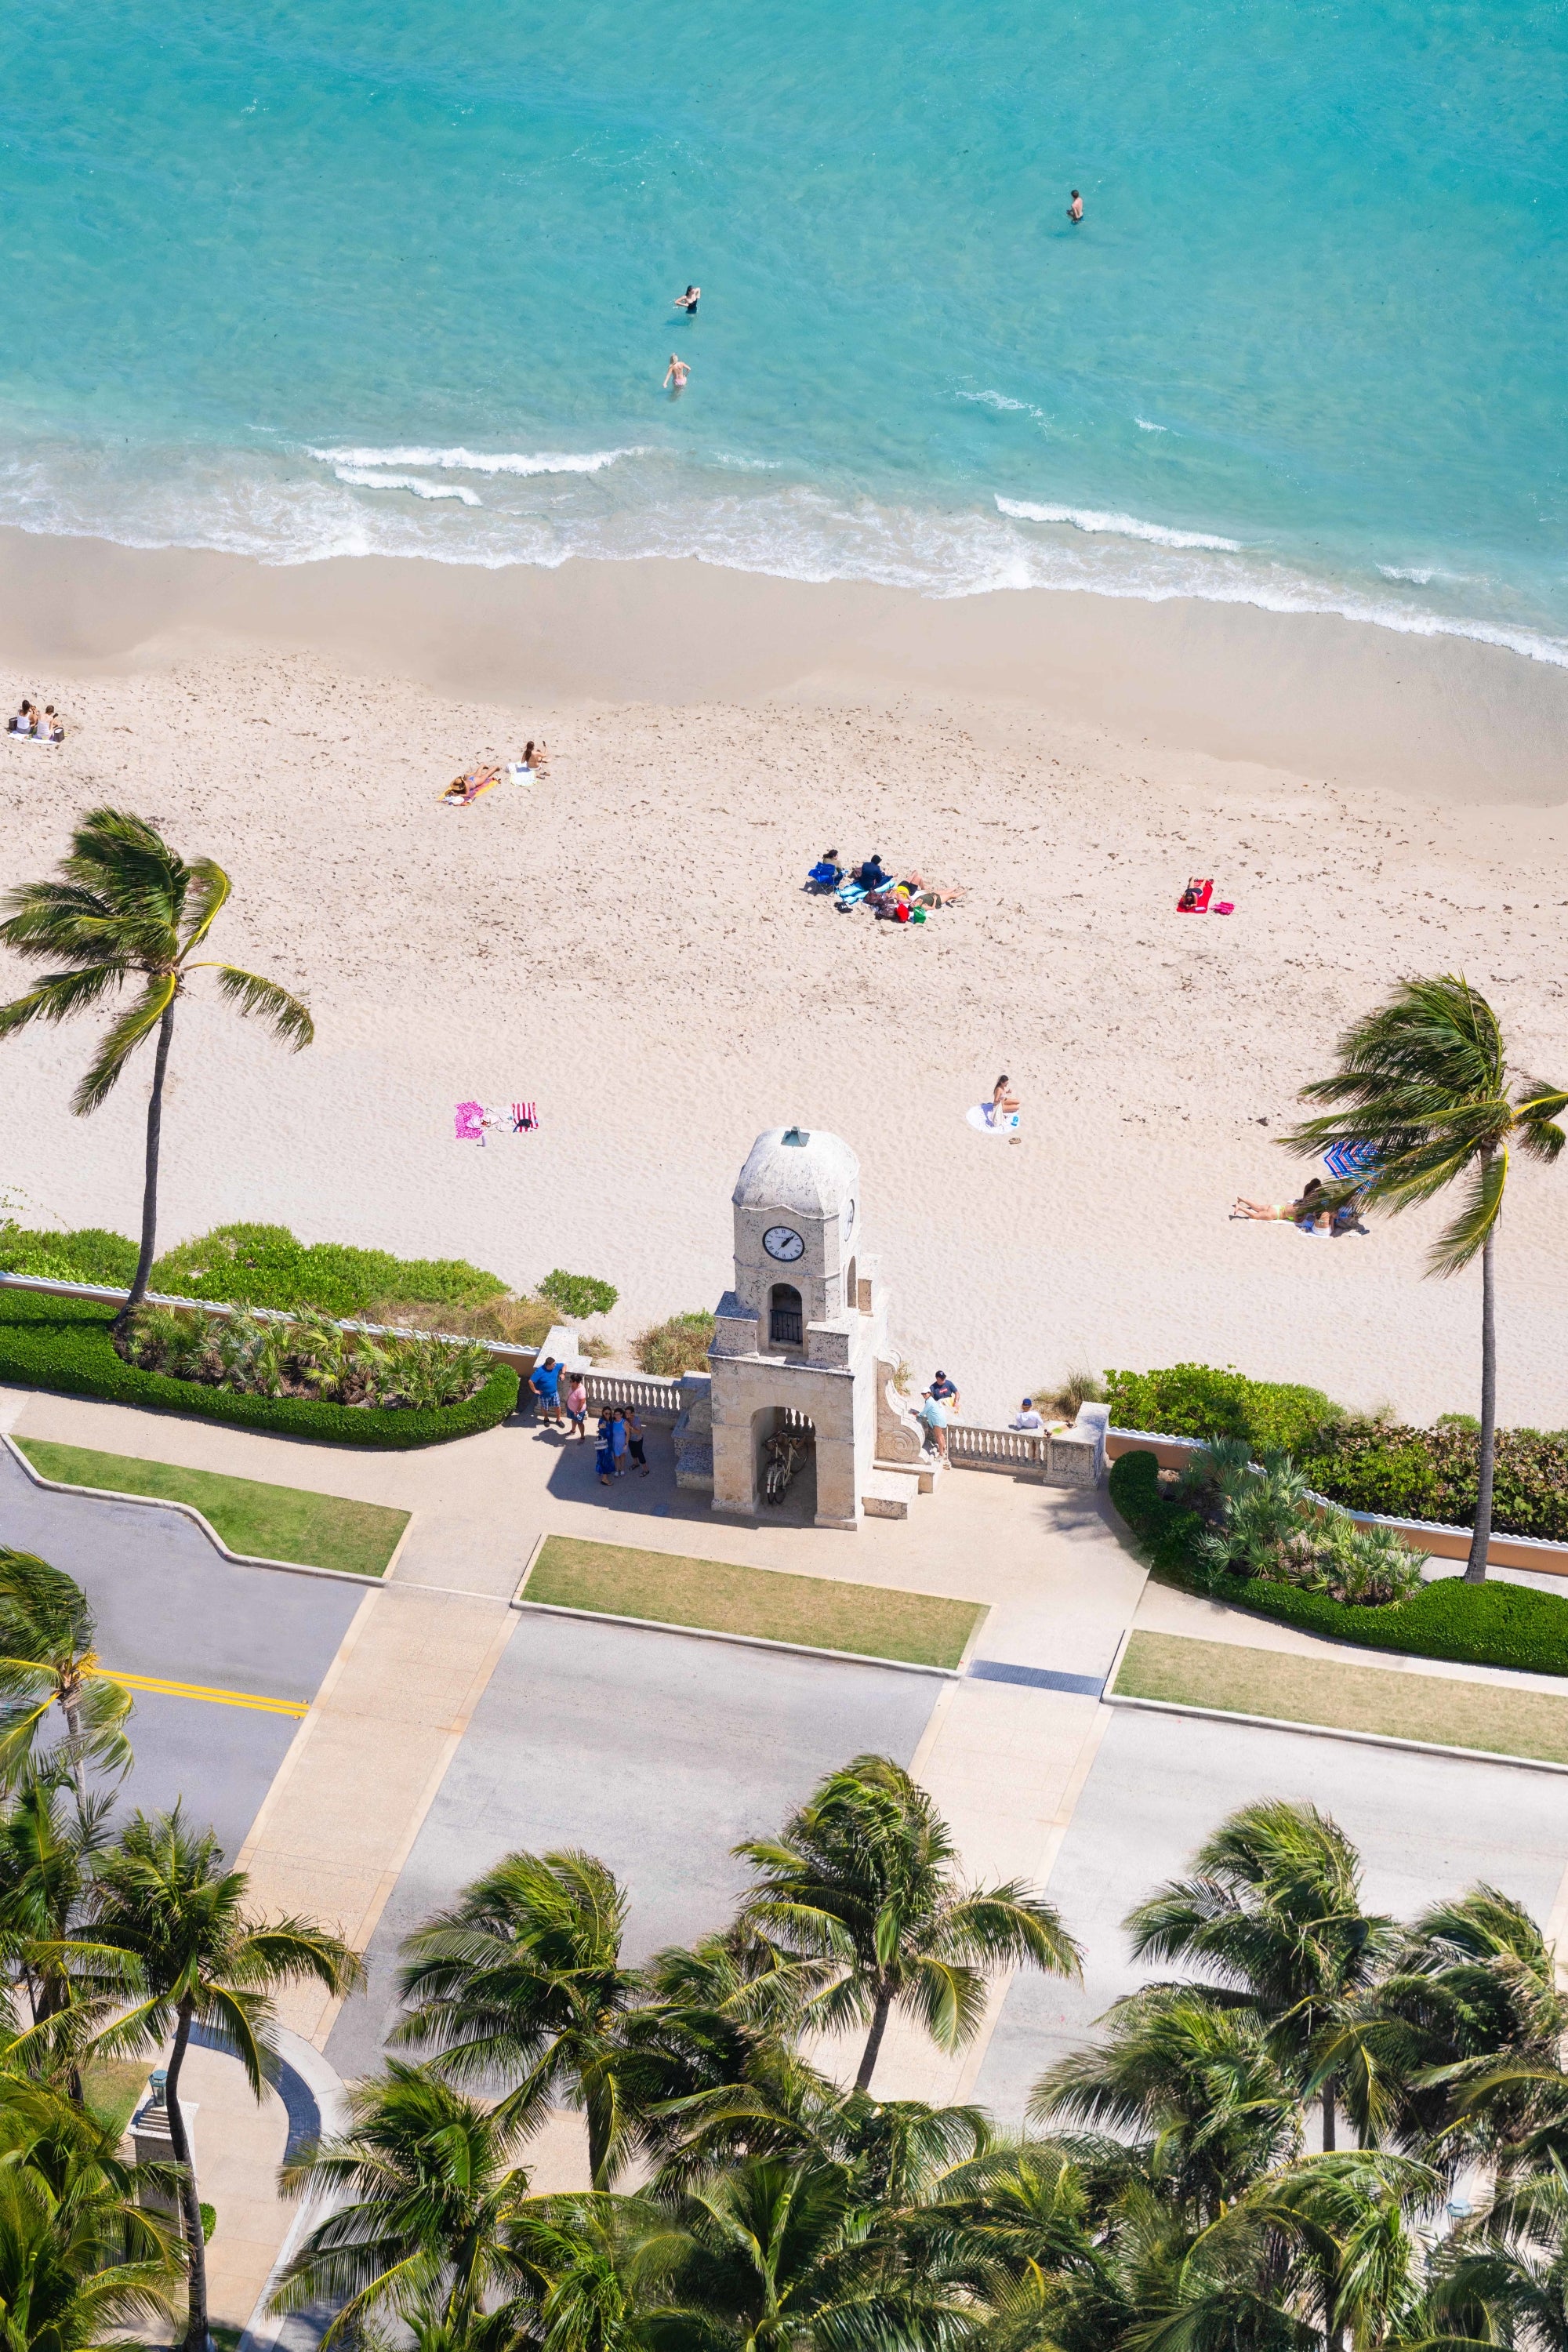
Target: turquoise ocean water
<point>347,278</point>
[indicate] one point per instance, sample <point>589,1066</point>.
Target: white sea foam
<point>1121,526</point>
<point>363,478</point>
<point>1004,400</point>
<point>266,505</point>
<point>1144,426</point>
<point>475,461</point>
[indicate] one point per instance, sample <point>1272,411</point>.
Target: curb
<point>325,2086</point>
<point>1334,1731</point>
<point>738,1641</point>
<point>198,1519</point>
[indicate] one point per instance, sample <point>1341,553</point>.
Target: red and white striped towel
<point>524,1118</point>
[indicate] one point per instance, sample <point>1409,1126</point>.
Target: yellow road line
<point>252,1699</point>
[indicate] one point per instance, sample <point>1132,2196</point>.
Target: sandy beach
<point>629,943</point>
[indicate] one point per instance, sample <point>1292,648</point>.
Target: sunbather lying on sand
<point>1305,1213</point>
<point>463,788</point>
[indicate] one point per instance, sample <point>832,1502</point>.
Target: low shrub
<point>312,1357</point>
<point>1208,1401</point>
<point>1262,1520</point>
<point>266,1265</point>
<point>679,1344</point>
<point>578,1294</point>
<point>64,1344</point>
<point>89,1255</point>
<point>1431,1474</point>
<point>1484,1624</point>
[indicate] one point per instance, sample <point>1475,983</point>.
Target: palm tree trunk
<point>78,1769</point>
<point>1329,2096</point>
<point>150,1183</point>
<point>190,2201</point>
<point>868,2066</point>
<point>1476,1567</point>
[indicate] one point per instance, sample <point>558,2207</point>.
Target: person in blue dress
<point>604,1452</point>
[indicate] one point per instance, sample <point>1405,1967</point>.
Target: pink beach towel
<point>470,1119</point>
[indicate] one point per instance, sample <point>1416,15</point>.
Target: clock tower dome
<point>795,1202</point>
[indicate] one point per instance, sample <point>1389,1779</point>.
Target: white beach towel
<point>993,1122</point>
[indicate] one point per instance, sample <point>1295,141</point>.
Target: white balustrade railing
<point>973,1441</point>
<point>646,1391</point>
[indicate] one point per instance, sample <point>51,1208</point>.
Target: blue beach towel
<point>1351,1159</point>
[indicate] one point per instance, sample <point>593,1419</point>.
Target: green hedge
<point>1473,1625</point>
<point>64,1344</point>
<point>1206,1400</point>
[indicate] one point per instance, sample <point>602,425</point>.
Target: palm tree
<point>861,1891</point>
<point>783,2255</point>
<point>1273,1909</point>
<point>1454,2054</point>
<point>47,1660</point>
<point>521,1982</point>
<point>1425,1080</point>
<point>164,1899</point>
<point>79,2256</point>
<point>46,1851</point>
<point>1194,2087</point>
<point>128,911</point>
<point>428,2196</point>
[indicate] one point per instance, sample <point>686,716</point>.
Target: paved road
<point>654,1753</point>
<point>1426,1825</point>
<point>169,1605</point>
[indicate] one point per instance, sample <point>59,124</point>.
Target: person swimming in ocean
<point>688,300</point>
<point>1075,210</point>
<point>677,372</point>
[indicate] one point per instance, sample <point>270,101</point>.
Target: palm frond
<point>210,886</point>
<point>1464,1239</point>
<point>60,995</point>
<point>288,1015</point>
<point>121,1042</point>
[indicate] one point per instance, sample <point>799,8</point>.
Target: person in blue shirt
<point>874,874</point>
<point>545,1382</point>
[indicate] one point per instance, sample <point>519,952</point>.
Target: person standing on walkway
<point>619,1440</point>
<point>637,1439</point>
<point>577,1408</point>
<point>545,1382</point>
<point>604,1452</point>
<point>933,1414</point>
<point>945,1393</point>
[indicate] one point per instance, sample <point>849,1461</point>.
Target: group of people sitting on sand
<point>44,726</point>
<point>1315,1212</point>
<point>895,897</point>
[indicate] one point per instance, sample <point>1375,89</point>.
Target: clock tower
<point>799,1350</point>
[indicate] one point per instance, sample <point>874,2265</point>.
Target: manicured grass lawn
<point>817,1610</point>
<point>272,1522</point>
<point>1346,1697</point>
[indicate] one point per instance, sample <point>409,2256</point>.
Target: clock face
<point>783,1242</point>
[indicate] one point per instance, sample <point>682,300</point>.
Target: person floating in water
<point>1075,210</point>
<point>688,300</point>
<point>677,372</point>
